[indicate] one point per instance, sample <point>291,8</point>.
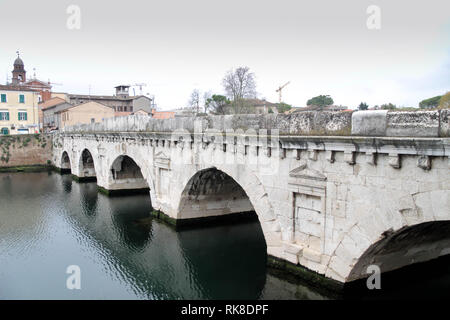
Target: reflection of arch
<point>408,245</point>
<point>65,162</point>
<point>237,274</point>
<point>86,165</point>
<point>130,219</point>
<point>89,198</point>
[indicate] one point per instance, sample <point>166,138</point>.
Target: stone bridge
<point>334,192</point>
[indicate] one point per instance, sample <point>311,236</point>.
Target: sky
<point>321,47</point>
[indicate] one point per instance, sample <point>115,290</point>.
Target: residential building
<point>88,112</point>
<point>47,113</point>
<point>18,110</point>
<point>120,102</point>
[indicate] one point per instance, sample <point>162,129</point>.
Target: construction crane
<point>140,85</point>
<point>280,89</point>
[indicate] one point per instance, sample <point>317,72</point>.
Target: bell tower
<point>19,73</point>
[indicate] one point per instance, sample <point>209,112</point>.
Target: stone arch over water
<point>211,193</point>
<point>66,164</point>
<point>87,165</point>
<point>216,191</point>
<point>126,171</point>
<point>411,244</point>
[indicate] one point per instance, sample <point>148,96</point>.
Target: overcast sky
<point>321,47</point>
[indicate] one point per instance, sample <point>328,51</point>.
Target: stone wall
<point>25,150</point>
<point>309,123</point>
<point>433,123</point>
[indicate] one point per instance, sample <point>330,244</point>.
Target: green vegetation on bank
<point>30,168</point>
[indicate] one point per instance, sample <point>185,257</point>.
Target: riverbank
<point>29,168</point>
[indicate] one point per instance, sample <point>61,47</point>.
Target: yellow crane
<point>280,89</point>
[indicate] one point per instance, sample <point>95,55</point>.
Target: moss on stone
<point>182,224</point>
<point>298,273</point>
<point>122,192</point>
<point>30,168</point>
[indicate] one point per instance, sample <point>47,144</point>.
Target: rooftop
<point>51,103</point>
<point>19,87</point>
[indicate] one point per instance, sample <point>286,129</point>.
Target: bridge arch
<point>130,172</point>
<point>87,167</point>
<point>217,190</point>
<point>65,162</point>
<point>396,238</point>
<point>411,244</point>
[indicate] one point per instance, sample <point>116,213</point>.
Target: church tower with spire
<point>19,73</point>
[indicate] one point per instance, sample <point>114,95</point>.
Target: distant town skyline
<point>323,47</point>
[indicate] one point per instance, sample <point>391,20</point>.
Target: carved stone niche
<point>308,188</point>
<point>162,161</point>
<point>162,165</point>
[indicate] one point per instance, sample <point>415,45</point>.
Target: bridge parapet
<point>433,123</point>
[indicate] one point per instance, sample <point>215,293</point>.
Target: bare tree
<point>206,97</point>
<point>194,101</point>
<point>239,84</point>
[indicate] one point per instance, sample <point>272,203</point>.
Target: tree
<point>320,101</point>
<point>430,103</point>
<point>206,96</point>
<point>239,84</point>
<point>283,107</point>
<point>218,104</point>
<point>388,106</point>
<point>444,102</point>
<point>363,106</point>
<point>194,101</point>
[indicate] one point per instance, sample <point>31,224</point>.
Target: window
<point>22,116</point>
<point>92,120</point>
<point>4,115</point>
<point>3,95</point>
<point>124,108</point>
<point>4,131</point>
<point>21,98</point>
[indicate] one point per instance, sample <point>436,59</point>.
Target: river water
<point>49,222</point>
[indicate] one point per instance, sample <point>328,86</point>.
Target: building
<point>47,113</point>
<point>163,114</point>
<point>120,102</point>
<point>44,88</point>
<point>18,110</point>
<point>254,106</point>
<point>19,78</point>
<point>87,112</point>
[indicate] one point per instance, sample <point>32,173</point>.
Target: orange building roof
<point>51,102</point>
<point>163,114</point>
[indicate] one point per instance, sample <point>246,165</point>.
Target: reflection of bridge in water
<point>332,204</point>
<point>165,264</point>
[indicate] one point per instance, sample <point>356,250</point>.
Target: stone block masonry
<point>20,151</point>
